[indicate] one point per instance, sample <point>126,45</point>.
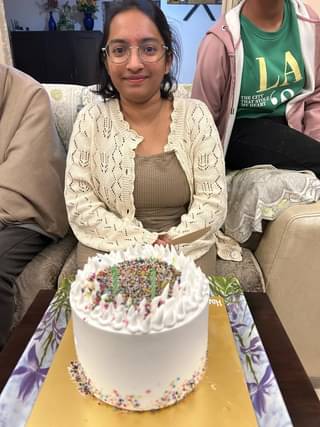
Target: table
<point>21,335</point>
<point>301,401</point>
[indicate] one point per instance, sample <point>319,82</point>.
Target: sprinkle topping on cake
<point>140,290</point>
<point>134,280</point>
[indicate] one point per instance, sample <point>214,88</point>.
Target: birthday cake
<point>140,322</point>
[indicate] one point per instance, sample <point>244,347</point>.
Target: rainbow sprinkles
<point>134,310</point>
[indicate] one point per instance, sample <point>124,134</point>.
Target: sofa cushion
<point>41,273</point>
<point>66,102</point>
<point>247,271</point>
<point>69,268</point>
<point>261,193</point>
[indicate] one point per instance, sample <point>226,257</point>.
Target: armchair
<point>275,215</point>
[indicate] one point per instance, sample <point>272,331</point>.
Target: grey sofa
<point>280,238</point>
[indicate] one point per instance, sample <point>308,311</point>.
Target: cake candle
<point>153,282</point>
<point>115,280</point>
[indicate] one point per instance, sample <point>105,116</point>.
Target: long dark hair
<point>169,83</point>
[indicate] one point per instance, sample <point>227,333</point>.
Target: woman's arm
<point>32,157</point>
<point>209,202</point>
<point>92,222</point>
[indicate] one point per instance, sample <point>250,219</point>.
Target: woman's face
<point>135,79</point>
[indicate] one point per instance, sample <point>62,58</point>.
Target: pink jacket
<point>219,70</point>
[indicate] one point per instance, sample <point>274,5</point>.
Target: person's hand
<point>163,239</point>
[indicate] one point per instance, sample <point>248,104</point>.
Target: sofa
<point>275,215</point>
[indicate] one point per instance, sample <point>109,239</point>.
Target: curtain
<point>228,4</point>
<point>5,49</point>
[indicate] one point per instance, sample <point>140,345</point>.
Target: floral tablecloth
<point>21,391</point>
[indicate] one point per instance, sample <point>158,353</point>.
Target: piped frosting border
<point>189,294</point>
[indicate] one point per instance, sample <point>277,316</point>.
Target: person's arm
<point>33,159</point>
<point>211,74</point>
<point>209,202</point>
<point>91,221</point>
<point>312,107</point>
<point>311,117</point>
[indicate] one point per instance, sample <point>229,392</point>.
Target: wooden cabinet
<point>58,56</point>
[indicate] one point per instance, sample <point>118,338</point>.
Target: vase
<point>52,26</point>
<point>88,21</point>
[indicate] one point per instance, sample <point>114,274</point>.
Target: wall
<point>31,15</point>
<point>315,4</point>
<point>191,31</point>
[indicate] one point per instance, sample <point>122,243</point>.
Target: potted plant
<point>88,7</point>
<point>49,6</point>
<point>65,22</point>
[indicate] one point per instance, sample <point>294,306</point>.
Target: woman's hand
<point>163,239</point>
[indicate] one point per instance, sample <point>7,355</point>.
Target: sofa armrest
<point>288,254</point>
<point>41,273</point>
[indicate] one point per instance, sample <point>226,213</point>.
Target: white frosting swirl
<point>165,312</point>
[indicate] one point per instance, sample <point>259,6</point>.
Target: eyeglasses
<point>150,51</point>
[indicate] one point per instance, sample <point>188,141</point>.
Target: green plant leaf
<point>224,286</point>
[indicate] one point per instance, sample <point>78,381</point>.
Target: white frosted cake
<point>140,321</point>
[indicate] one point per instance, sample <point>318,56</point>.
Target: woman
<point>143,167</point>
<point>258,70</point>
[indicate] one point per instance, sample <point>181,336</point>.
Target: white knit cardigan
<point>100,177</point>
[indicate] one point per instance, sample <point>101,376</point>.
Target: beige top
<point>161,191</point>
<point>161,196</point>
<point>100,177</point>
<point>32,159</point>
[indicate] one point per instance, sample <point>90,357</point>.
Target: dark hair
<point>169,83</point>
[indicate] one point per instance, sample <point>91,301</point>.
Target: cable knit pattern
<point>101,171</point>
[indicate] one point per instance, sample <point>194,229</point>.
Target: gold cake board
<point>221,399</point>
